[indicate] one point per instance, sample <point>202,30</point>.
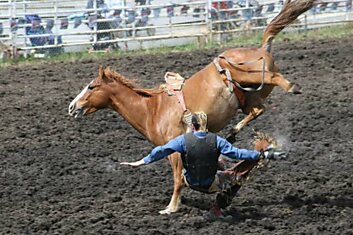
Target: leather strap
<point>232,63</point>
<point>179,95</point>
<point>230,83</point>
<point>174,87</point>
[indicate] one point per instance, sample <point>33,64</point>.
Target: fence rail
<point>53,26</point>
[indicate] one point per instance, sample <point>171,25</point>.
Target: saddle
<point>174,82</point>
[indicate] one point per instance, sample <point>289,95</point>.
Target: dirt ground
<point>59,175</point>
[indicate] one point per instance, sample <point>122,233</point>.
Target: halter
<point>234,64</point>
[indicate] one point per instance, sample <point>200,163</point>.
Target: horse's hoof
<point>164,212</point>
<point>231,138</point>
<point>295,89</point>
<point>209,216</point>
<point>168,211</point>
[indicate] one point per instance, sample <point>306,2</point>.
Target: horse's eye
<point>90,87</point>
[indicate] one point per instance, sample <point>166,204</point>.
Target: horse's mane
<point>129,83</point>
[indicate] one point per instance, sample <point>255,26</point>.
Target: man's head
<point>199,121</point>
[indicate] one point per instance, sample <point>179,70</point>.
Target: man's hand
<point>137,163</point>
<point>271,154</point>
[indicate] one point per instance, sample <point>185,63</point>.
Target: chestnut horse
<point>158,116</point>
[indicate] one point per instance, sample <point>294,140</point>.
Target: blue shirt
<point>178,145</point>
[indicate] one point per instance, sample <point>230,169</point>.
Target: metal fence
<point>53,26</point>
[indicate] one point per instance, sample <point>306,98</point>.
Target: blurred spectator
<point>349,5</point>
<point>145,12</point>
<point>13,25</point>
<point>140,2</point>
<point>48,30</point>
<point>35,29</point>
<point>51,38</point>
<point>156,12</point>
<point>218,8</point>
<point>199,10</point>
<point>77,22</point>
<point>314,9</point>
<point>334,6</point>
<point>184,10</point>
<point>117,19</point>
<point>270,7</point>
<point>223,10</point>
<point>92,21</point>
<point>143,3</point>
<point>170,10</point>
<point>219,4</point>
<point>100,4</point>
<point>64,23</point>
<point>48,37</point>
<point>131,16</point>
<point>1,28</point>
<point>251,6</point>
<point>323,6</point>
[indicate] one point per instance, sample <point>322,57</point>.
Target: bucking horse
<point>225,85</point>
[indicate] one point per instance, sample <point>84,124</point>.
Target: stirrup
<point>187,117</point>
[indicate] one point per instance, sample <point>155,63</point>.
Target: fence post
<point>95,27</point>
<point>170,22</point>
<point>305,23</point>
<point>13,27</point>
<point>209,22</point>
<point>55,22</point>
<point>25,12</point>
<point>125,24</point>
<point>134,23</point>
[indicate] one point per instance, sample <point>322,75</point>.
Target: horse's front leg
<point>177,166</point>
<point>253,113</point>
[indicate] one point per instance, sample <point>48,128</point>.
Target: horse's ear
<point>101,71</point>
<point>102,74</point>
<point>107,75</point>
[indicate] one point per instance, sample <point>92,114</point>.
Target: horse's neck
<point>132,107</point>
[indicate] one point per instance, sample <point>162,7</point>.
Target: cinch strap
<point>174,86</point>
<point>232,63</point>
<point>230,83</point>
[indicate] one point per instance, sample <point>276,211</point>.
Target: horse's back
<point>206,91</point>
<point>252,58</point>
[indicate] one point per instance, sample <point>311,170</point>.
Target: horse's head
<point>93,97</point>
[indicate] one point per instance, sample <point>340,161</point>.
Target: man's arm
<point>159,152</point>
<point>137,163</point>
<point>230,151</point>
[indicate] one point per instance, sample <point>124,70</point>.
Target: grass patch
<point>290,34</point>
<point>243,39</point>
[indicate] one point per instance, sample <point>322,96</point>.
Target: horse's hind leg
<point>176,163</point>
<point>279,80</point>
<point>274,79</point>
<point>253,113</point>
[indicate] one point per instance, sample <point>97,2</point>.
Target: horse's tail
<point>290,11</point>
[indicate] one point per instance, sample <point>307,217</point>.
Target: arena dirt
<point>59,175</point>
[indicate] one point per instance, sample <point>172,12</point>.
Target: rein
<point>234,64</point>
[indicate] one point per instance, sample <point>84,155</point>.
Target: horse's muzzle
<point>75,112</point>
